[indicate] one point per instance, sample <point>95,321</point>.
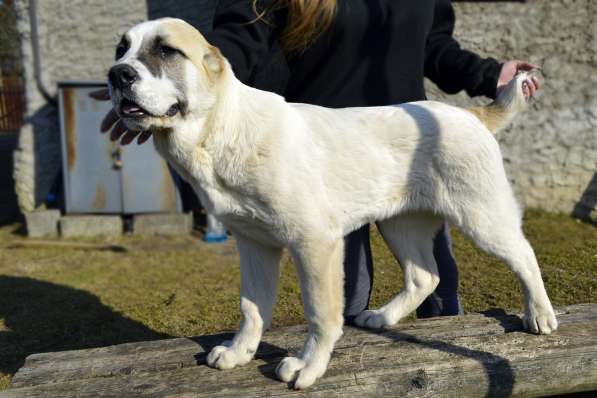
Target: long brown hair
<point>306,20</point>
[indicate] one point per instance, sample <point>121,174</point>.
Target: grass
<point>55,299</point>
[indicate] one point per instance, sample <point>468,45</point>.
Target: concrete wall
<point>550,152</point>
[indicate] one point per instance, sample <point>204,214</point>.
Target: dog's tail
<point>508,103</point>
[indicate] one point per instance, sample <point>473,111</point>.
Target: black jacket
<point>375,53</point>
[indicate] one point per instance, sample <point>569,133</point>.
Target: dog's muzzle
<point>122,76</point>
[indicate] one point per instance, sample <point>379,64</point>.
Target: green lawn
<point>58,299</point>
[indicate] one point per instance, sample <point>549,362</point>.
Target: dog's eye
<point>166,51</point>
<point>120,51</point>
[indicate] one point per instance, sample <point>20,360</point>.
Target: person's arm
<point>249,45</point>
<point>453,68</point>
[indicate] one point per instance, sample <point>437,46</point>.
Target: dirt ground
<point>140,288</point>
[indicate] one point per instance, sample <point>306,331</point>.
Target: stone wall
<point>550,152</point>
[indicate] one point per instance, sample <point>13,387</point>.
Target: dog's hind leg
<point>495,227</point>
<point>320,271</point>
<point>259,267</point>
<point>410,238</point>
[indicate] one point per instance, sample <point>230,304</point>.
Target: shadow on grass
<point>44,317</point>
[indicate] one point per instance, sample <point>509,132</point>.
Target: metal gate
<point>100,176</point>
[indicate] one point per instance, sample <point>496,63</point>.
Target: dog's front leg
<point>259,267</point>
<point>320,271</point>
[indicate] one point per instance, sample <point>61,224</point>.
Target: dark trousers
<point>358,277</point>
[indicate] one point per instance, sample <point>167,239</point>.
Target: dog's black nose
<point>122,75</point>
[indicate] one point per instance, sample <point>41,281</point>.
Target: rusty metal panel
<point>147,184</point>
<point>92,183</point>
<point>100,176</point>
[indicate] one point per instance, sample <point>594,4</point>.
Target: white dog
<point>302,177</point>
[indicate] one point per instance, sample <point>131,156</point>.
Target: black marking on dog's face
<point>157,55</point>
<point>149,55</point>
<point>163,60</point>
<point>122,47</point>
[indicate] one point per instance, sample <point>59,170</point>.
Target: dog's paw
<point>303,373</point>
<point>227,356</point>
<point>540,320</point>
<point>373,319</point>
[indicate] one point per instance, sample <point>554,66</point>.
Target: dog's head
<point>165,72</point>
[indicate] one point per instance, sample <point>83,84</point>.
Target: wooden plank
<point>468,355</point>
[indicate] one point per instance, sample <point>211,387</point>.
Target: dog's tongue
<point>129,107</point>
<point>132,108</point>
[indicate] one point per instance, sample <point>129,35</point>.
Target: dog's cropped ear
<point>213,60</point>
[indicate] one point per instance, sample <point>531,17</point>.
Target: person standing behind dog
<point>339,53</point>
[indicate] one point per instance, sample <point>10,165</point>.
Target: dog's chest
<point>242,214</point>
<point>240,210</point>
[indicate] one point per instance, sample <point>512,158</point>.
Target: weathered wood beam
<point>472,355</point>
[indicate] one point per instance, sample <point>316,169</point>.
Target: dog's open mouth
<point>131,109</point>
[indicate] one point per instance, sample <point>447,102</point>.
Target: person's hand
<point>510,69</point>
<point>112,121</point>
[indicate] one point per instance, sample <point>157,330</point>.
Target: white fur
<point>300,176</point>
